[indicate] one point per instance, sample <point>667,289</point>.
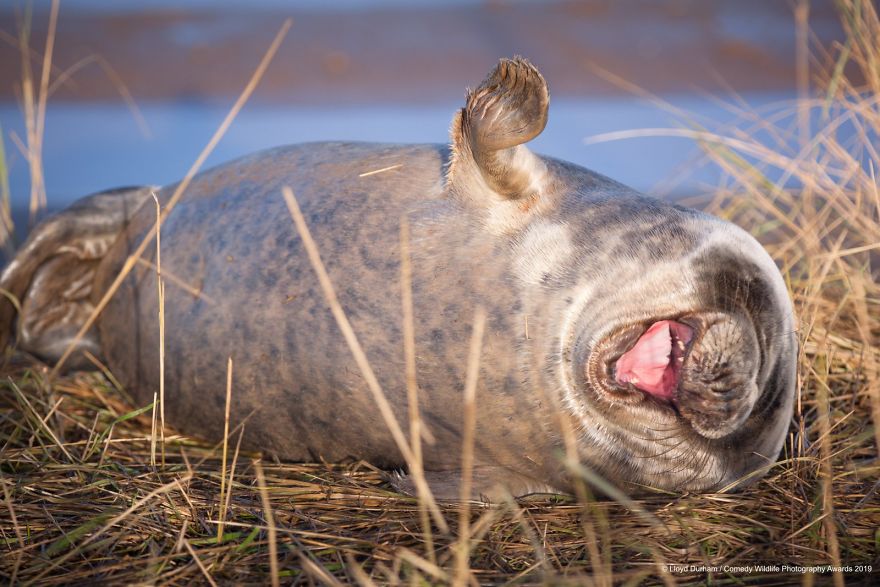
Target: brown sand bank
<point>423,54</point>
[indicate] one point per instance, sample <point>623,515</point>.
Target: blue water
<point>89,147</point>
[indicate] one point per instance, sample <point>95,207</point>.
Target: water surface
<point>91,147</point>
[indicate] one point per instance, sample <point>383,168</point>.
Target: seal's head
<point>668,333</point>
<point>688,364</point>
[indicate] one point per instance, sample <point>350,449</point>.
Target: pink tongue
<point>647,365</point>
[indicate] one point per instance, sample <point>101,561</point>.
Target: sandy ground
<point>421,55</point>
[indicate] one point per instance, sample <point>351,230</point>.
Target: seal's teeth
<point>680,344</point>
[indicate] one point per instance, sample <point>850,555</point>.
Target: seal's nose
<point>718,381</point>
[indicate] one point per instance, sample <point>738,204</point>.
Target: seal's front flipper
<point>487,483</point>
<point>507,110</point>
<point>52,274</point>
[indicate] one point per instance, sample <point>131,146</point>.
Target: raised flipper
<point>51,275</point>
<point>490,164</point>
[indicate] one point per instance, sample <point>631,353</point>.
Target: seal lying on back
<point>662,336</point>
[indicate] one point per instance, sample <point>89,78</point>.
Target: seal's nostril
<point>718,384</point>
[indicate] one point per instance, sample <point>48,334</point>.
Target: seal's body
<point>661,337</point>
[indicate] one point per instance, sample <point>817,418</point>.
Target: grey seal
<point>664,337</point>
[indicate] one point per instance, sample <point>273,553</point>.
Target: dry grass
<point>83,504</point>
<point>344,517</point>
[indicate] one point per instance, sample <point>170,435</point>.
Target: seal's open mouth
<point>654,361</point>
